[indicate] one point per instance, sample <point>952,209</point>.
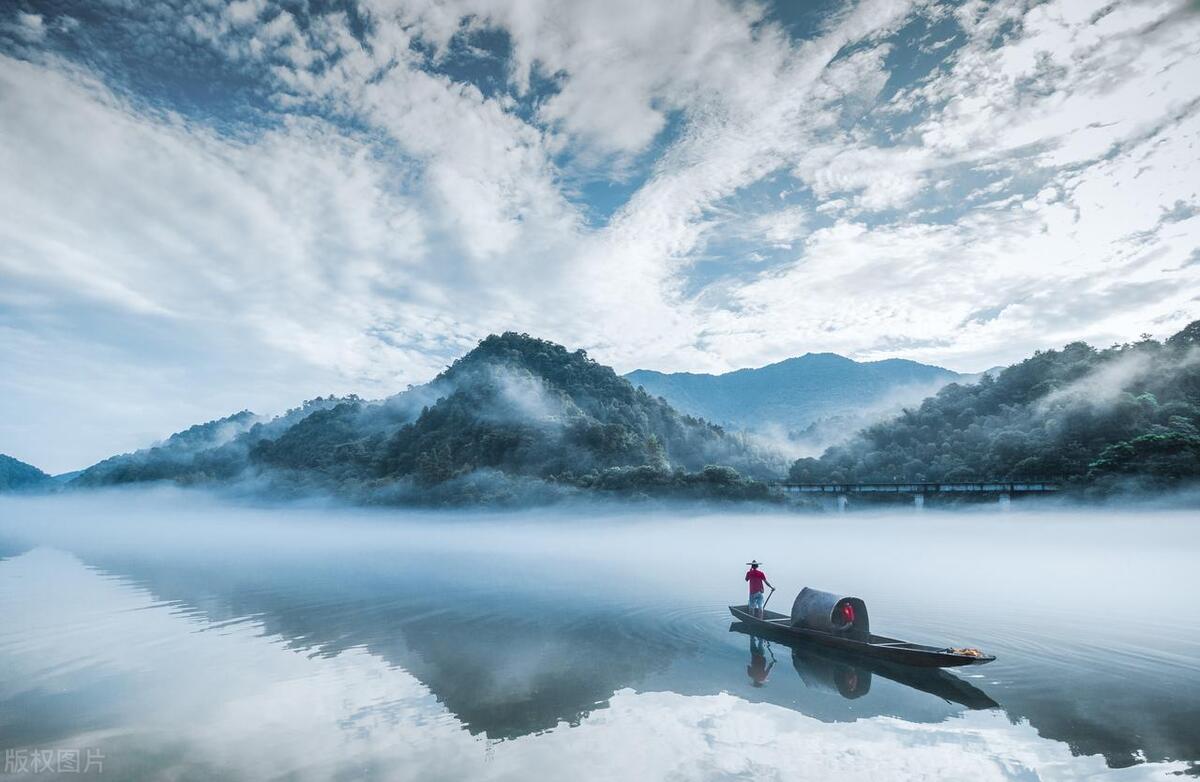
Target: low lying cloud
<point>1113,379</point>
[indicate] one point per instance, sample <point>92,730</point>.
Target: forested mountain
<point>212,451</point>
<point>16,474</point>
<point>1125,416</point>
<point>515,418</point>
<point>792,395</point>
<point>191,451</point>
<point>520,419</point>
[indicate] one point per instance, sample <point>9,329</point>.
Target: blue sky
<point>207,206</point>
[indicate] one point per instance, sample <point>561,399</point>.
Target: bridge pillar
<point>1004,500</point>
<point>842,501</point>
<point>918,501</point>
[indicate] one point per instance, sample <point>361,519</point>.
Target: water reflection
<point>328,641</point>
<point>841,676</point>
<point>759,669</point>
<point>504,663</point>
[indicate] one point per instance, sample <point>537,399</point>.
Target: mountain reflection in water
<point>174,648</point>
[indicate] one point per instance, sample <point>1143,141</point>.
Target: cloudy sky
<point>209,206</point>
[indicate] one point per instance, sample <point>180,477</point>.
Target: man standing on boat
<point>756,578</point>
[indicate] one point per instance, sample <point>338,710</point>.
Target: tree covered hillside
<point>16,474</point>
<point>518,408</point>
<point>515,417</point>
<point>213,451</point>
<point>1127,415</point>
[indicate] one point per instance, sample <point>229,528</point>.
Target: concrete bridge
<point>841,492</point>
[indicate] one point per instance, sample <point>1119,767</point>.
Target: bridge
<point>1002,490</point>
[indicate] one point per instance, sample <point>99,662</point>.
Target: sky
<point>210,206</point>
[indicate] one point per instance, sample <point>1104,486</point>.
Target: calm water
<point>166,636</point>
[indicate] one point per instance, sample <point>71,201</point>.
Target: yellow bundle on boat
<point>969,651</point>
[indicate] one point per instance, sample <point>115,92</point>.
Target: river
<point>170,635</point>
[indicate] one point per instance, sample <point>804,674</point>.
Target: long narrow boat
<point>850,674</point>
<point>869,645</point>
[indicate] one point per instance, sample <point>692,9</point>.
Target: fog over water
<point>185,637</point>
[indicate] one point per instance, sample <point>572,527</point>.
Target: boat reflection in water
<point>850,675</point>
<point>827,673</point>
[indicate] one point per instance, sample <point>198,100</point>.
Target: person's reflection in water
<point>759,669</point>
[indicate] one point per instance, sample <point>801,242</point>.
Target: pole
<point>768,598</point>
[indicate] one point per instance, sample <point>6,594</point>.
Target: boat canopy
<point>830,613</point>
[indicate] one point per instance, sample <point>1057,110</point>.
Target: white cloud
<point>30,27</point>
<point>156,237</point>
<point>385,216</point>
<point>1083,258</point>
<point>783,227</point>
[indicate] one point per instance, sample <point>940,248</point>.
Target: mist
<point>360,631</point>
<point>828,431</point>
<point>641,539</point>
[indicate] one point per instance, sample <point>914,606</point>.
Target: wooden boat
<point>878,647</point>
<point>850,674</point>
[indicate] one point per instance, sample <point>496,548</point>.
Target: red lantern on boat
<point>848,612</point>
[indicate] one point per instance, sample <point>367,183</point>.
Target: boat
<point>850,675</point>
<point>841,623</point>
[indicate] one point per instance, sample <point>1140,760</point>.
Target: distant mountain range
<point>519,420</point>
<point>794,394</point>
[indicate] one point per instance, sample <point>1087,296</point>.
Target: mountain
<point>209,452</point>
<point>1123,417</point>
<point>16,474</point>
<point>515,419</point>
<point>193,450</point>
<point>798,392</point>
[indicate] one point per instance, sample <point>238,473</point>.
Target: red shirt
<point>756,578</point>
